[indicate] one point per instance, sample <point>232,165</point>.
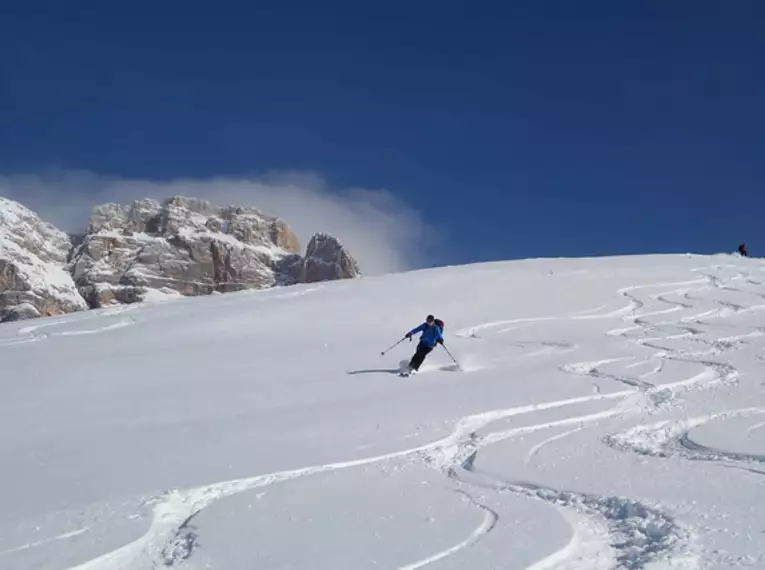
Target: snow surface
<point>607,413</point>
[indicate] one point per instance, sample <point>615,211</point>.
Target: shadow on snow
<point>375,371</point>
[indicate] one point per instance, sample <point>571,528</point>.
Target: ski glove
<point>408,335</point>
<point>440,341</point>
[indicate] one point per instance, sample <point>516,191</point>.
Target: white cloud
<point>383,233</point>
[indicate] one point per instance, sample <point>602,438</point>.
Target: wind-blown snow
<point>606,413</point>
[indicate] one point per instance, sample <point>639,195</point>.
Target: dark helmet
<point>429,318</point>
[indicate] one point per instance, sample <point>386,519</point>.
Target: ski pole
<point>450,355</point>
<point>392,346</point>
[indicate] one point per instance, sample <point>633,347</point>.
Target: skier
<point>431,331</point>
<point>742,250</point>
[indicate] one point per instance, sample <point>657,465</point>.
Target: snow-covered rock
<point>326,259</point>
<point>193,247</point>
<point>149,250</point>
<point>20,312</point>
<point>33,280</point>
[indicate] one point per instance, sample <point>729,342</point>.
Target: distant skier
<point>432,334</point>
<point>742,250</point>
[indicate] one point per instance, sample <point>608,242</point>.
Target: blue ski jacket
<point>430,334</point>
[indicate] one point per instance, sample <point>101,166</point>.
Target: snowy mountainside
<point>33,281</point>
<point>606,414</point>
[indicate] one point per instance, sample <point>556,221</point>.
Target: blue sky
<point>499,129</point>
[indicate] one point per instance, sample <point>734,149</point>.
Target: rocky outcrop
<point>192,247</point>
<point>20,312</point>
<point>33,280</point>
<point>180,246</point>
<point>326,260</point>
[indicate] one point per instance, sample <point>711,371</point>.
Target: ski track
<point>169,541</point>
<point>664,439</point>
<point>591,369</point>
<point>118,325</point>
<point>714,372</point>
<point>537,448</point>
<point>38,332</point>
<point>672,439</point>
<point>64,536</point>
<point>607,532</point>
<point>755,427</point>
<point>618,532</point>
<point>489,522</point>
<point>585,551</point>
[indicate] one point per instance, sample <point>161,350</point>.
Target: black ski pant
<point>419,356</point>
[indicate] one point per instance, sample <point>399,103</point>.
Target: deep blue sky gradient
<point>524,128</point>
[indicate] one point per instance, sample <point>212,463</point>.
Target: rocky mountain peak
<point>326,259</point>
<point>181,245</point>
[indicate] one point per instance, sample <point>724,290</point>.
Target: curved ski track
<point>607,532</point>
<point>37,332</point>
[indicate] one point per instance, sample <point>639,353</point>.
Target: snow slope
<point>608,413</point>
